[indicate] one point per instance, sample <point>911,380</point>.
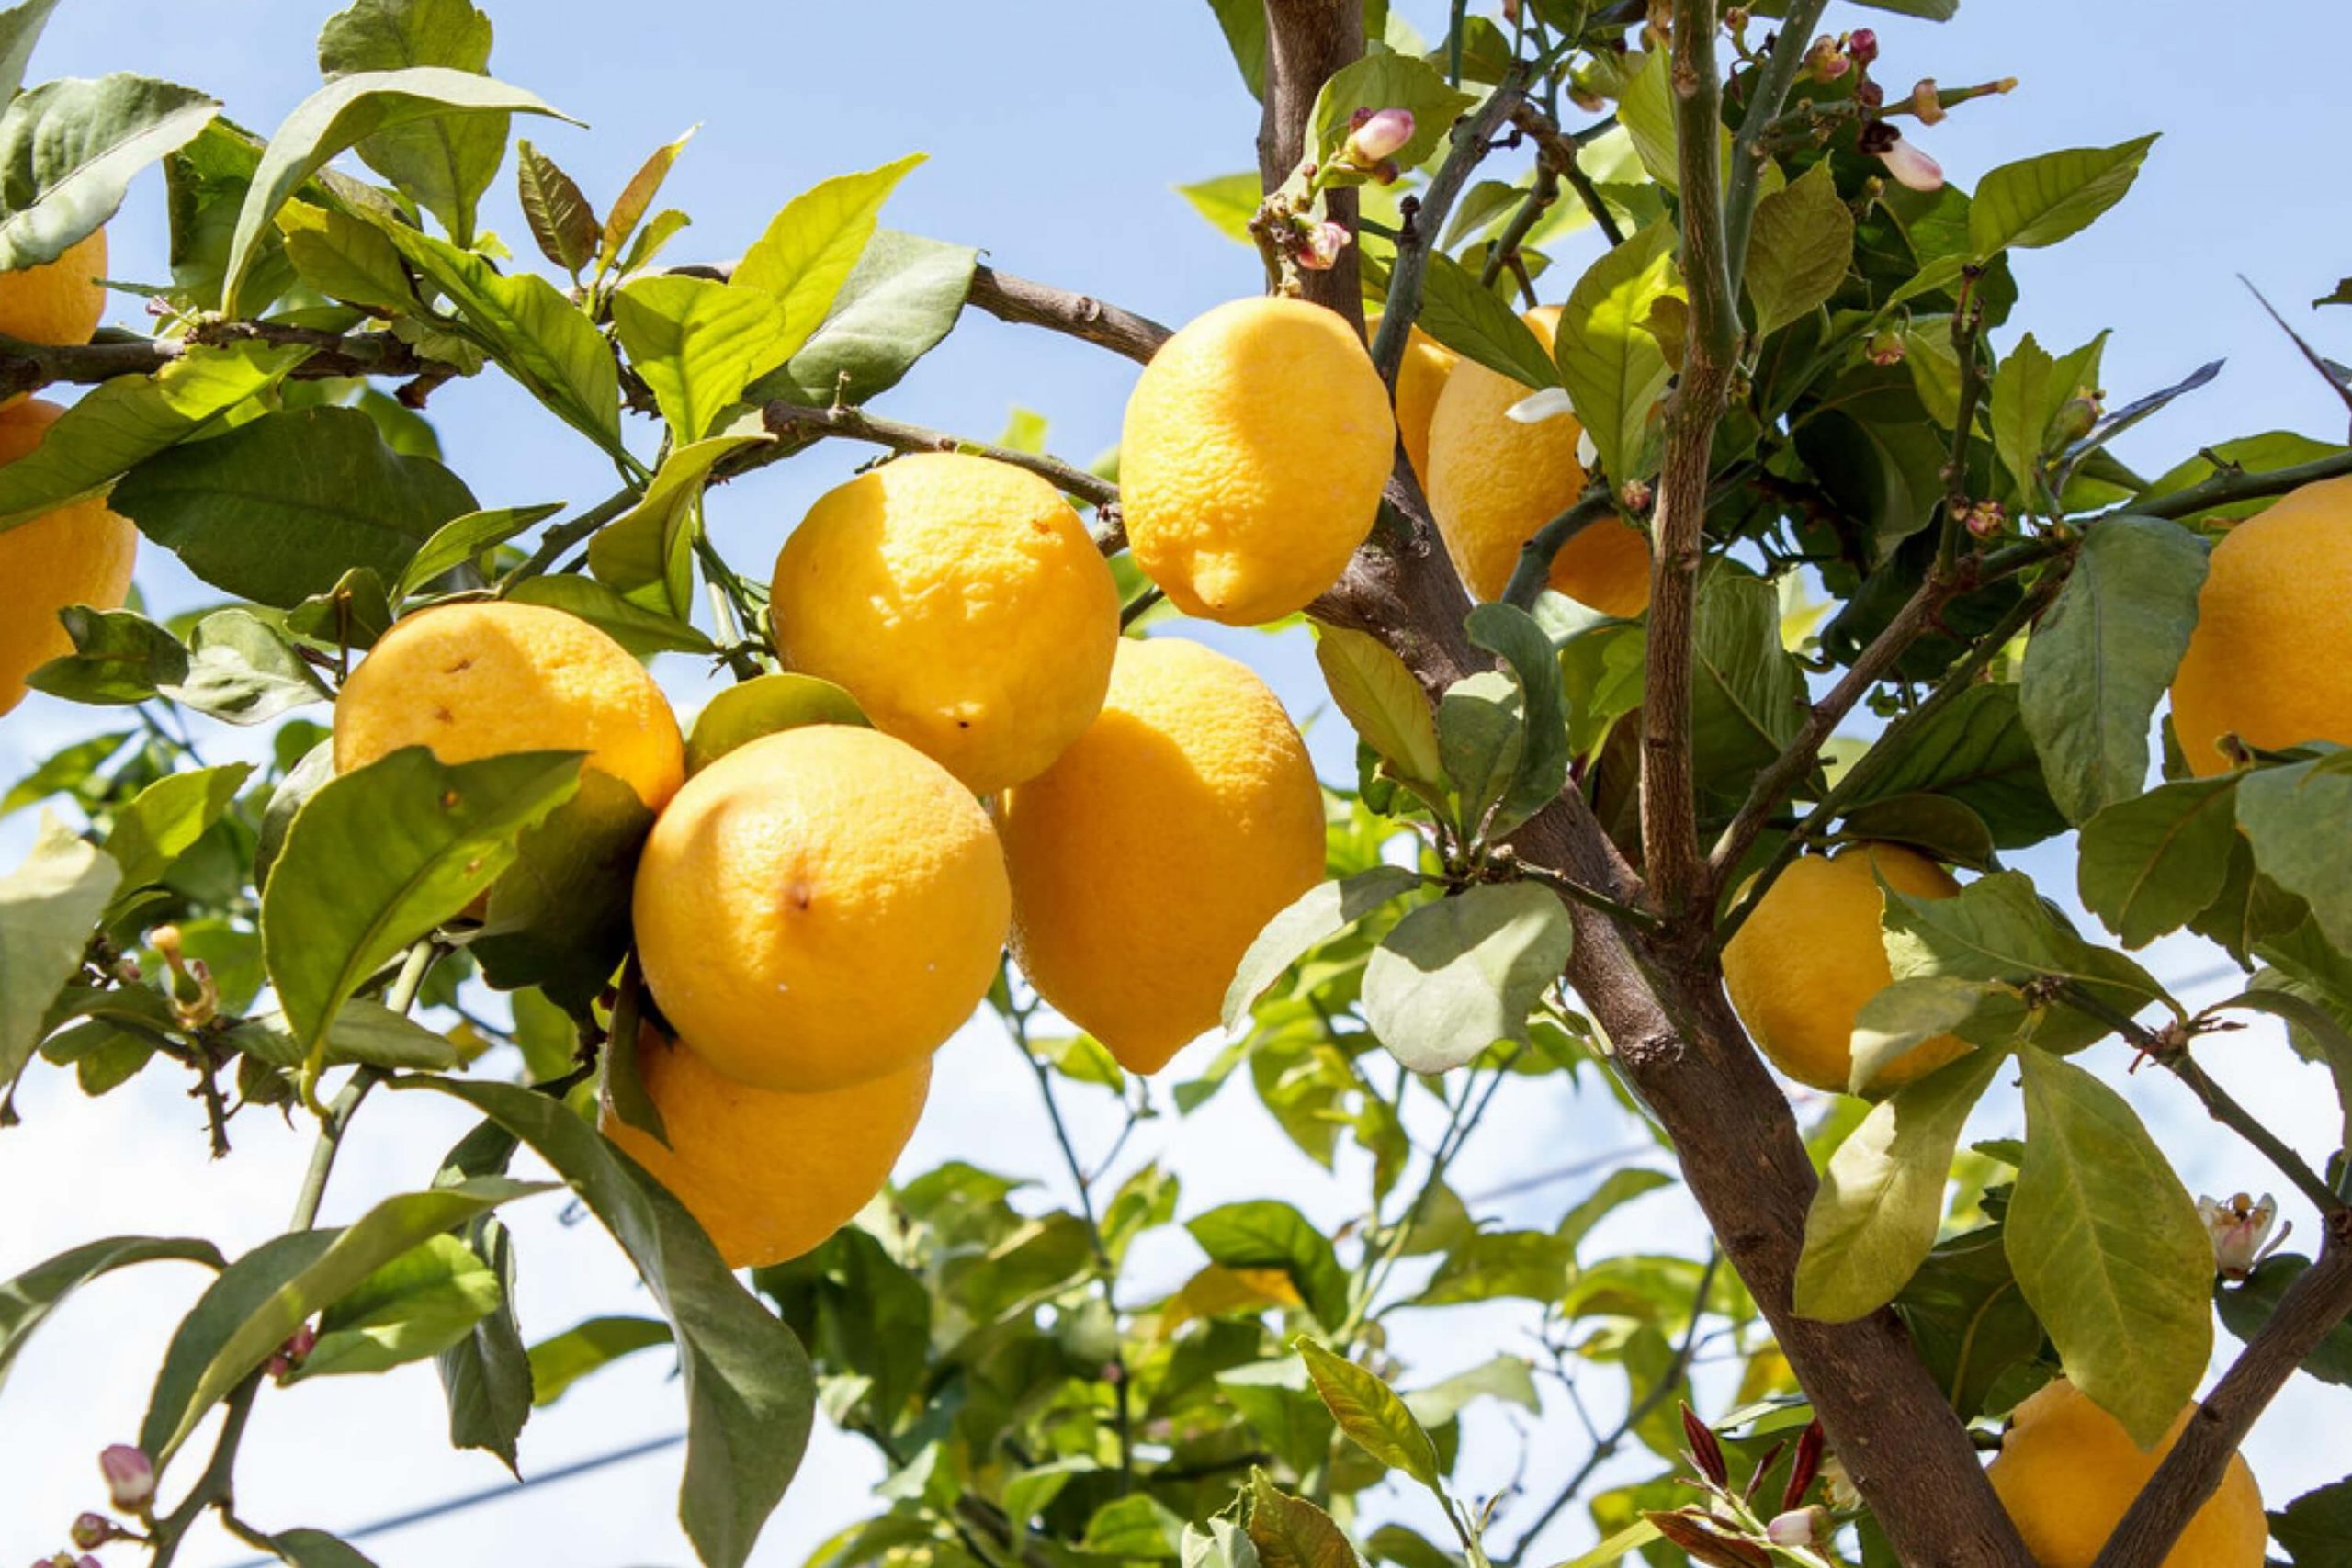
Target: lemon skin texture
<point>2067,1471</point>
<point>768,1176</point>
<point>1494,482</point>
<point>1812,954</point>
<point>962,603</point>
<point>484,680</point>
<point>59,302</point>
<point>2265,661</point>
<point>79,554</point>
<point>1252,457</point>
<point>1421,376</point>
<point>819,907</point>
<point>1148,858</point>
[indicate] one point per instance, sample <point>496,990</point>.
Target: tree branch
<point>1023,303</point>
<point>1557,151</point>
<point>1306,41</point>
<point>1533,570</point>
<point>29,366</point>
<point>2234,484</point>
<point>1420,236</point>
<point>1748,153</point>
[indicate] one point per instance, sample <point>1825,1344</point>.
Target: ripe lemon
<point>1493,481</point>
<point>484,679</point>
<point>1421,376</point>
<point>819,907</point>
<point>2277,599</point>
<point>1145,860</point>
<point>2067,1473</point>
<point>1254,451</point>
<point>58,302</point>
<point>964,605</point>
<point>79,554</point>
<point>1812,954</point>
<point>768,1176</point>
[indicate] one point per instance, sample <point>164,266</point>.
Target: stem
<point>1534,572</point>
<point>1967,335</point>
<point>2237,484</point>
<point>1559,151</point>
<point>1018,300</point>
<point>798,425</point>
<point>563,536</point>
<point>1747,151</point>
<point>1471,138</point>
<point>213,1487</point>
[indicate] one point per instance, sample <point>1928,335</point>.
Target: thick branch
<point>2234,484</point>
<point>28,366</point>
<point>1017,300</point>
<point>1306,41</point>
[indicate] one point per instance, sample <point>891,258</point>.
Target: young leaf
<point>1613,368</point>
<point>2150,864</point>
<point>281,508</point>
<point>346,258</point>
<point>562,223</point>
<point>159,824</point>
<point>68,150</point>
<point>635,199</point>
<point>903,297</point>
<point>762,705</point>
<point>1873,1221</point>
<point>2294,817</point>
<point>2108,1250</point>
<point>1229,202</point>
<point>47,908</point>
<point>1480,325</point>
<point>1457,975</point>
<point>810,248</point>
<point>1267,1234</point>
<point>384,854</point>
<point>27,1301</point>
<point>341,114</point>
<point>1798,253</point>
<point>2104,655</point>
<point>1369,1411</point>
<point>2040,201</point>
<point>456,542</point>
<point>647,553</point>
<point>698,343</point>
<point>585,1348</point>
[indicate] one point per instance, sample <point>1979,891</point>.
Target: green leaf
<point>418,1305</point>
<point>344,113</point>
<point>445,161</point>
<point>762,705</point>
<point>698,342</point>
<point>2027,391</point>
<point>486,1375</point>
<point>1385,81</point>
<point>2294,817</point>
<point>1494,1264</point>
<point>1799,250</point>
<point>1614,370</point>
<point>317,1548</point>
<point>647,553</point>
<point>1747,698</point>
<point>20,29</point>
<point>27,1301</point>
<point>2108,1250</point>
<point>1944,828</point>
<point>2040,201</point>
<point>49,906</point>
<point>1999,928</point>
<point>642,631</point>
<point>636,197</point>
<point>225,1307</point>
<point>1873,1221</point>
<point>1905,1015</point>
<point>558,918</point>
<point>1973,750</point>
<point>1230,202</point>
<point>2256,453</point>
<point>748,1391</point>
<point>1381,699</point>
<point>70,771</point>
<point>363,1032</point>
<point>346,258</point>
<point>1480,325</point>
<point>902,298</point>
<point>1459,974</point>
<point>2316,1528</point>
<point>162,820</point>
<point>69,149</point>
<point>2149,865</point>
<point>562,221</point>
<point>585,1348</point>
<point>1510,1378</point>
<point>1369,1411</point>
<point>235,666</point>
<point>1318,915</point>
<point>2246,1308</point>
<point>281,508</point>
<point>123,421</point>
<point>1267,1234</point>
<point>809,249</point>
<point>2316,1029</point>
<point>2104,655</point>
<point>1645,109</point>
<point>1527,653</point>
<point>1481,737</point>
<point>1244,24</point>
<point>1965,1316</point>
<point>1626,1542</point>
<point>459,541</point>
<point>384,854</point>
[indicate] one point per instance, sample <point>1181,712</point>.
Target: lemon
<point>1421,376</point>
<point>768,1176</point>
<point>474,680</point>
<point>79,554</point>
<point>1812,954</point>
<point>1145,860</point>
<point>1493,481</point>
<point>58,302</point>
<point>2275,608</point>
<point>819,907</point>
<point>962,603</point>
<point>1252,458</point>
<point>2067,1473</point>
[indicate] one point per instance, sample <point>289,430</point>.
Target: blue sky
<point>1057,129</point>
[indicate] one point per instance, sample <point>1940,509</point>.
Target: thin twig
<point>798,425</point>
<point>1559,151</point>
<point>1533,570</point>
<point>2235,484</point>
<point>1749,154</point>
<point>563,536</point>
<point>1026,303</point>
<point>1472,137</point>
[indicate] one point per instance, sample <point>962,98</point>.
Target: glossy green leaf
<point>384,854</point>
<point>2149,864</point>
<point>2316,1528</point>
<point>698,342</point>
<point>1614,371</point>
<point>1455,976</point>
<point>1798,251</point>
<point>363,1032</point>
<point>1528,655</point>
<point>903,297</point>
<point>1969,1325</point>
<point>235,666</point>
<point>647,553</point>
<point>48,907</point>
<point>1999,928</point>
<point>2109,1249</point>
<point>642,631</point>
<point>1370,1413</point>
<point>2040,201</point>
<point>2294,817</point>
<point>1229,202</point>
<point>158,825</point>
<point>1480,325</point>
<point>1975,750</point>
<point>762,705</point>
<point>1873,1221</point>
<point>317,1548</point>
<point>486,1375</point>
<point>1381,699</point>
<point>1244,25</point>
<point>1267,1234</point>
<point>231,1302</point>
<point>559,1362</point>
<point>70,148</point>
<point>1617,1189</point>
<point>807,251</point>
<point>27,1301</point>
<point>1496,1265</point>
<point>418,1305</point>
<point>459,541</point>
<point>1316,916</point>
<point>446,160</point>
<point>1905,1015</point>
<point>557,919</point>
<point>1481,740</point>
<point>1943,827</point>
<point>1747,698</point>
<point>346,258</point>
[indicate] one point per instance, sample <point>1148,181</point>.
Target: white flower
<point>2240,1229</point>
<point>1537,407</point>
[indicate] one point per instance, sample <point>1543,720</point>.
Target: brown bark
<point>1306,41</point>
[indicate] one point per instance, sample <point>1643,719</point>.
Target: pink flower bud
<point>1635,495</point>
<point>1377,135</point>
<point>131,1477</point>
<point>1799,1527</point>
<point>1912,168</point>
<point>1925,103</point>
<point>1884,347</point>
<point>1824,62</point>
<point>92,1530</point>
<point>2240,1228</point>
<point>1861,45</point>
<point>1986,520</point>
<point>1319,251</point>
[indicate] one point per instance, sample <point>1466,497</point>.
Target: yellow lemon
<point>79,554</point>
<point>1148,858</point>
<point>1812,954</point>
<point>768,1176</point>
<point>964,605</point>
<point>484,679</point>
<point>1421,376</point>
<point>1493,481</point>
<point>2276,610</point>
<point>819,907</point>
<point>2067,1473</point>
<point>1251,462</point>
<point>58,302</point>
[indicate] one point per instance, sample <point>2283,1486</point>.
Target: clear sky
<point>1056,129</point>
